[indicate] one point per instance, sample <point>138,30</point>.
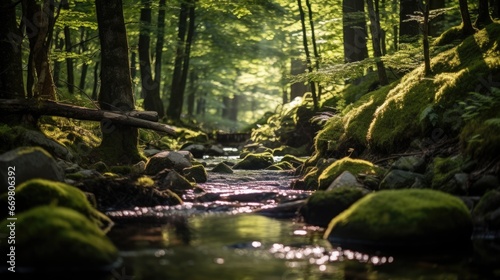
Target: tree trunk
<point>408,30</point>
<point>59,44</point>
<point>483,16</point>
<point>11,74</point>
<point>119,142</point>
<point>39,21</point>
<point>354,30</point>
<point>467,28</point>
<point>85,66</point>
<point>425,31</point>
<point>187,50</point>
<point>70,74</point>
<point>375,31</point>
<point>308,55</point>
<point>297,89</point>
<point>193,78</point>
<point>495,5</point>
<point>174,109</point>
<point>314,45</point>
<point>96,80</point>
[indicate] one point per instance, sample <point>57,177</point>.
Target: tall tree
<point>70,73</point>
<point>308,55</point>
<point>375,31</point>
<point>119,142</point>
<point>150,84</point>
<point>425,32</point>
<point>181,64</point>
<point>483,15</point>
<point>313,40</point>
<point>39,19</point>
<point>11,74</point>
<point>354,30</point>
<point>467,28</point>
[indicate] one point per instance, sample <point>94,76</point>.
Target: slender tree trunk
<point>375,31</point>
<point>425,31</point>
<point>70,74</point>
<point>308,55</point>
<point>119,142</point>
<point>95,88</point>
<point>191,93</point>
<point>297,89</point>
<point>467,28</point>
<point>495,5</point>
<point>483,17</point>
<point>181,65</point>
<point>11,74</point>
<point>59,45</point>
<point>85,66</point>
<point>314,45</point>
<point>39,21</point>
<point>354,30</point>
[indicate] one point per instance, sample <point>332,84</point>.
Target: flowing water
<point>232,231</point>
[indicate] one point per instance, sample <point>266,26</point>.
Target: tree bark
<point>119,142</point>
<point>375,31</point>
<point>354,30</point>
<point>39,21</point>
<point>85,65</point>
<point>483,17</point>
<point>143,119</point>
<point>425,31</point>
<point>308,55</point>
<point>11,74</point>
<point>467,28</point>
<point>176,100</point>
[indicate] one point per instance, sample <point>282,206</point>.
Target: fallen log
<point>142,119</point>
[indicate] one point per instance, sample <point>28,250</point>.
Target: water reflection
<point>248,246</point>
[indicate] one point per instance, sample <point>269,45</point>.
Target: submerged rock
<point>419,219</point>
<point>59,238</point>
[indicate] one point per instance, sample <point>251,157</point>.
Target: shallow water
<point>218,235</point>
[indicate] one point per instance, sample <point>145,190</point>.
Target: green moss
<point>121,169</point>
<point>355,166</point>
<point>456,71</point>
<point>327,139</point>
<point>420,218</point>
<point>480,139</point>
<point>322,206</point>
<point>37,192</point>
<point>450,36</point>
<point>293,160</point>
<point>196,173</point>
<point>145,181</point>
<point>443,169</point>
<point>51,236</point>
<point>281,166</point>
<point>255,161</point>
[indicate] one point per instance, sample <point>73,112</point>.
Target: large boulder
<point>419,219</point>
<point>58,238</point>
<point>28,163</point>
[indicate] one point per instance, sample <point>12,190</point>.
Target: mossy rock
<point>59,238</point>
<point>355,166</point>
<point>486,212</point>
<point>196,173</point>
<point>295,161</point>
<point>283,165</point>
<point>420,219</point>
<point>255,161</point>
<point>322,206</point>
<point>443,170</point>
<point>38,192</point>
<point>222,168</point>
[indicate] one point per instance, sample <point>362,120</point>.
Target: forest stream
<point>244,226</point>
